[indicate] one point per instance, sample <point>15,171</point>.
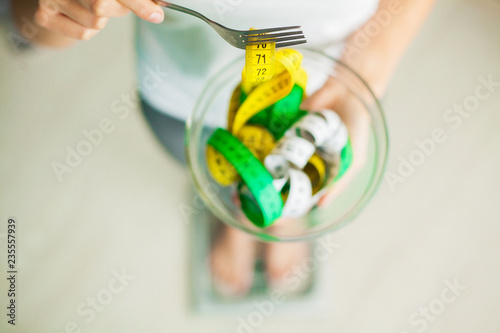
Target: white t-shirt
<point>183,52</point>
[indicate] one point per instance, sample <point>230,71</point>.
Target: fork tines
<point>281,39</point>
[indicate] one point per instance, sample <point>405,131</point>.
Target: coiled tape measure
<point>281,158</point>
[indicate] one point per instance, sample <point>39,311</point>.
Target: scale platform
<point>311,302</point>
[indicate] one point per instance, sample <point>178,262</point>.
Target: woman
<point>368,35</point>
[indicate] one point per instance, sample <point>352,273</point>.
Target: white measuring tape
<point>318,132</point>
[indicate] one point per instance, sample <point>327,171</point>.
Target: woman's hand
<point>335,96</point>
<point>375,59</point>
<point>76,19</point>
<point>82,19</point>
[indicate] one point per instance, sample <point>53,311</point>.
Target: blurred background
<point>103,245</point>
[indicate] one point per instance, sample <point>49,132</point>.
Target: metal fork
<point>241,38</point>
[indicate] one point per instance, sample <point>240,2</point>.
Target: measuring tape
<point>278,167</point>
<point>345,160</point>
<point>257,139</point>
<point>336,142</point>
<point>316,170</point>
<point>265,94</point>
<point>299,194</point>
<point>295,149</point>
<point>313,128</point>
<point>281,158</point>
<point>260,63</point>
<point>281,115</point>
<point>254,175</point>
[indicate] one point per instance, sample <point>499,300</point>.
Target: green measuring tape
<point>255,176</point>
<point>281,115</point>
<point>345,160</point>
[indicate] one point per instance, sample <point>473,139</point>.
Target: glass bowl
<point>358,186</point>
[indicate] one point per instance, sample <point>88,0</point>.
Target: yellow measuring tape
<point>269,92</point>
<point>316,170</point>
<point>257,139</point>
<point>260,63</point>
<point>262,96</point>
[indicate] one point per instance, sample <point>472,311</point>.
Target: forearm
<point>23,15</point>
<point>375,49</point>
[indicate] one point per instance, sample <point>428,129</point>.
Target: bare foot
<point>286,266</point>
<point>232,262</point>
